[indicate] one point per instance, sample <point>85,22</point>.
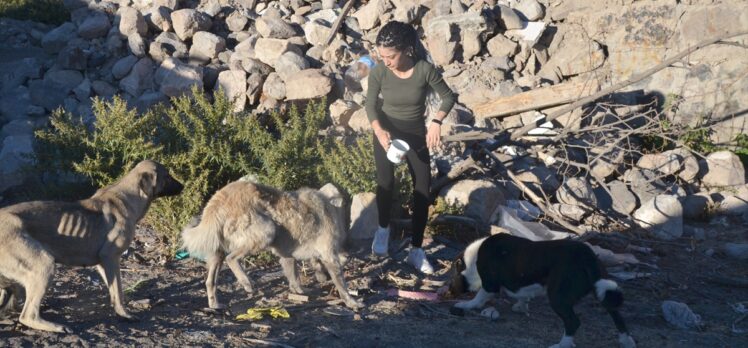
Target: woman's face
<point>393,58</point>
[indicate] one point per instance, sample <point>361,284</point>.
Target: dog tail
<point>608,293</point>
<point>202,237</point>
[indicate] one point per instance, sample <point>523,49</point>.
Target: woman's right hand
<point>384,138</point>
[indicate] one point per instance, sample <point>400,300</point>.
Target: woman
<point>404,79</point>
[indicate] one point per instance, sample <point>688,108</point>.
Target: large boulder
<point>662,216</point>
<point>176,78</point>
<point>308,84</point>
<point>723,168</point>
<point>234,84</point>
<point>479,198</point>
<point>131,22</point>
<point>187,22</point>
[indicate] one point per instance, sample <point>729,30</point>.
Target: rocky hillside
<point>512,64</point>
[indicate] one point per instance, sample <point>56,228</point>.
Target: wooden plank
<point>536,99</point>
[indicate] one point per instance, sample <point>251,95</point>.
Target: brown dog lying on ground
<point>91,232</point>
<point>244,218</point>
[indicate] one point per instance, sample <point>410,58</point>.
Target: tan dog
<point>244,218</point>
<point>91,232</point>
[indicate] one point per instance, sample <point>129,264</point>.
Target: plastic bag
<point>679,315</point>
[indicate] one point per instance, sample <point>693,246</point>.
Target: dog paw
<point>129,317</point>
<point>217,306</point>
<point>299,290</point>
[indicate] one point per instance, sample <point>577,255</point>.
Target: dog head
<point>155,181</point>
<point>464,272</point>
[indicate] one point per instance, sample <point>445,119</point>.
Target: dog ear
<point>147,184</point>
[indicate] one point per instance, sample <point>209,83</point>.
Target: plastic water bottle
<point>357,72</point>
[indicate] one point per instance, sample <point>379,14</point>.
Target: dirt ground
<point>169,298</point>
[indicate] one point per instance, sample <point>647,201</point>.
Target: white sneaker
<point>417,258</point>
<point>381,238</point>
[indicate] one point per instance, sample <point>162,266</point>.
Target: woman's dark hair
<point>400,36</point>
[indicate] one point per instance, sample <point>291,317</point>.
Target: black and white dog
<point>566,270</point>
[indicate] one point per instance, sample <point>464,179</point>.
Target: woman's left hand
<point>434,135</point>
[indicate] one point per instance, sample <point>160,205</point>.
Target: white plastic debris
<point>679,315</point>
<point>490,313</point>
<point>525,210</point>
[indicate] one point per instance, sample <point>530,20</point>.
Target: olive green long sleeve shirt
<point>405,99</point>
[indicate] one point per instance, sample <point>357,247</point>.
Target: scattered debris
<point>413,295</point>
<point>490,313</point>
<point>258,313</point>
<point>298,298</point>
<point>680,315</point>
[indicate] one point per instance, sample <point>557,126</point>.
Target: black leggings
<point>418,159</point>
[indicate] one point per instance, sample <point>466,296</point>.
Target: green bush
<point>351,166</point>
<point>203,143</point>
<point>44,11</point>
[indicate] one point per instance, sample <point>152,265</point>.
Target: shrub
<point>203,143</point>
<point>44,11</point>
<point>351,166</point>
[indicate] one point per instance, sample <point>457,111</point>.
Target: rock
<point>17,72</point>
<point>572,212</point>
<point>470,26</point>
<point>529,34</point>
<point>56,39</point>
<point>187,22</point>
<point>234,85</point>
<point>136,44</point>
<point>723,168</point>
<point>665,163</point>
<point>531,9</point>
<point>575,54</point>
<point>695,206</point>
<point>83,90</point>
<point>131,22</point>
<point>274,28</point>
<point>122,67</point>
<point>368,15</point>
<point>150,99</point>
<point>316,32</point>
<point>269,50</point>
<point>254,66</point>
<point>577,191</point>
<point>364,216</point>
<point>510,19</point>
<point>662,216</point>
<point>736,250</point>
<point>206,46</point>
<point>442,47</point>
<point>94,26</point>
<point>406,11</point>
<point>274,87</point>
<point>289,64</point>
<point>171,45</point>
<point>500,45</point>
<point>647,184</point>
<point>734,202</point>
<point>359,123</point>
<point>236,21</point>
<point>479,198</point>
<point>103,88</point>
<point>139,79</point>
<point>690,165</point>
<point>160,19</point>
<point>73,58</point>
<point>15,153</point>
<point>622,200</point>
<point>308,84</point>
<point>254,88</point>
<point>176,78</point>
<point>14,102</point>
<point>341,111</point>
